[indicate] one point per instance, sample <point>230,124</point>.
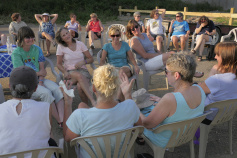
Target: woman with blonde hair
<point>186,102</point>
<point>47,28</point>
<point>108,115</point>
<point>118,53</point>
<point>94,28</point>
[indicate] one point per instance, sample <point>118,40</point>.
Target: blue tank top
<point>183,112</point>
<point>147,45</point>
<point>47,27</point>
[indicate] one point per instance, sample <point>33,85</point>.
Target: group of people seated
<point>113,109</point>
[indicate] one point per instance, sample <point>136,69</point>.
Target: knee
<point>83,105</point>
<point>159,39</point>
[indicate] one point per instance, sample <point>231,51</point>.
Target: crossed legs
<point>49,39</point>
<point>202,39</point>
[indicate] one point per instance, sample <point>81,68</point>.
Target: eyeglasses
<point>28,37</point>
<point>135,27</point>
<point>118,35</point>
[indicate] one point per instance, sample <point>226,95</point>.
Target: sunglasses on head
<point>135,27</point>
<point>115,35</point>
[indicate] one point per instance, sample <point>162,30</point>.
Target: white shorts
<point>210,38</point>
<point>155,63</point>
<point>178,36</point>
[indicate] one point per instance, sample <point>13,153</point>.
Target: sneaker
<point>92,46</point>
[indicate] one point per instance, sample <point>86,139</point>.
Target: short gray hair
<point>184,64</point>
<point>136,13</point>
<point>21,91</point>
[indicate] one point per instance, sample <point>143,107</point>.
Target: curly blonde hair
<point>106,80</point>
<point>114,29</point>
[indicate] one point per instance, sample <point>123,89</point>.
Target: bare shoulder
<point>168,99</point>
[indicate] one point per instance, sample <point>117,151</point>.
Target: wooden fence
<point>185,12</point>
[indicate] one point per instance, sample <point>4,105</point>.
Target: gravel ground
<point>218,138</point>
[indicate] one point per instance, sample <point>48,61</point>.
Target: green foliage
<point>106,10</point>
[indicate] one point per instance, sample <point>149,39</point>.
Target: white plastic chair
<point>170,40</point>
<point>147,74</point>
<point>101,39</point>
<point>44,39</point>
<point>123,31</point>
<point>213,42</point>
<point>49,63</point>
<point>182,133</point>
<point>36,152</point>
<point>2,99</point>
<point>116,144</point>
<point>226,112</point>
<point>233,33</point>
<point>134,76</point>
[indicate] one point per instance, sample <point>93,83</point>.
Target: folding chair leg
<point>230,135</point>
<point>145,81</point>
<point>192,153</point>
<point>204,131</point>
<point>159,152</point>
<point>167,83</point>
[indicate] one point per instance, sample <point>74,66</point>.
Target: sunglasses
<point>115,35</point>
<point>135,27</point>
<point>166,71</point>
<point>177,16</point>
<point>157,13</point>
<point>138,16</point>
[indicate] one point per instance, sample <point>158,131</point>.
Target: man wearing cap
<point>25,123</point>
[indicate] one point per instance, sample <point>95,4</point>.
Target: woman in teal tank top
<point>186,102</point>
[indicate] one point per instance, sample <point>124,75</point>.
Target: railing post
<point>120,12</point>
<point>157,7</point>
<point>232,10</point>
<point>135,8</point>
<point>185,10</point>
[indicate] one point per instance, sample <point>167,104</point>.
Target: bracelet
<point>85,61</point>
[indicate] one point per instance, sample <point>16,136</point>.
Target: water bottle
<point>8,45</point>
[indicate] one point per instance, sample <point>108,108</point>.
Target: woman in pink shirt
<point>72,57</point>
<point>94,28</point>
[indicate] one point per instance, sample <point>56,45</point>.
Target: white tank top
<point>26,131</point>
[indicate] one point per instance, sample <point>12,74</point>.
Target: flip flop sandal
<point>47,55</point>
<point>200,58</point>
<point>198,74</point>
<point>140,141</point>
